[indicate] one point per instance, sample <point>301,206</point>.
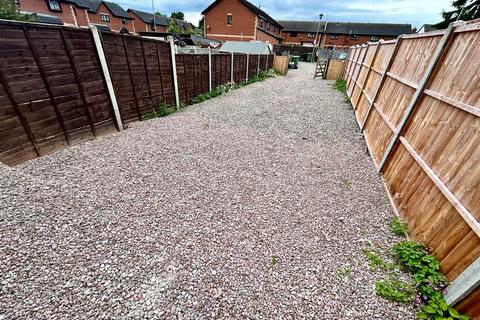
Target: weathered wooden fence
<point>417,101</point>
<point>62,85</point>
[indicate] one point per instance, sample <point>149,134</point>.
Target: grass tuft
<point>162,110</point>
<point>398,227</point>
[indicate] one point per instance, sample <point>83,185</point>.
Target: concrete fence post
<point>209,70</point>
<point>106,74</point>
<point>231,68</point>
<point>174,71</point>
<point>246,72</point>
<point>258,64</point>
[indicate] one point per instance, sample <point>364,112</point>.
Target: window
<point>374,38</point>
<point>54,5</point>
<point>124,21</point>
<point>334,36</point>
<point>353,37</point>
<point>268,25</point>
<point>293,34</point>
<point>261,23</point>
<point>310,35</point>
<point>104,17</point>
<point>229,19</point>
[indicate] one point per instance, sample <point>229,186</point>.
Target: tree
<point>9,11</point>
<point>173,27</point>
<point>177,15</point>
<point>464,10</point>
<point>201,26</point>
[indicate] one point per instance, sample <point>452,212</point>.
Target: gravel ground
<point>257,204</point>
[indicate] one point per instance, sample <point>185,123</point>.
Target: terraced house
<point>339,34</point>
<point>103,14</point>
<point>144,22</point>
<point>240,20</point>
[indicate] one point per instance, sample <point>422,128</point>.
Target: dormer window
<point>53,5</point>
<point>104,17</point>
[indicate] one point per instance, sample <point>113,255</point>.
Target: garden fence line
<point>62,85</point>
<point>417,102</point>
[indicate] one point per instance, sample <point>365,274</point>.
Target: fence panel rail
<point>417,101</point>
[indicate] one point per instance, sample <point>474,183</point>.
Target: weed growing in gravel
<point>346,184</point>
<point>161,111</point>
<point>428,279</point>
<point>377,262</point>
<point>398,227</point>
<point>224,88</point>
<point>274,261</point>
<point>345,272</point>
<point>394,289</point>
<point>341,85</point>
<point>428,282</point>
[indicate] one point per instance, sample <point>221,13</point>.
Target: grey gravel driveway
<point>257,204</point>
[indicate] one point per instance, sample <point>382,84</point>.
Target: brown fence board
<point>433,172</point>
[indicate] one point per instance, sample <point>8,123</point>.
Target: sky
<point>415,12</point>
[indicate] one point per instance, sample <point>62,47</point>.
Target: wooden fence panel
<point>430,100</point>
<point>239,65</point>
<point>47,99</point>
<point>141,73</point>
<point>252,65</point>
<point>221,65</point>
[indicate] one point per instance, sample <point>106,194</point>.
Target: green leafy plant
<point>429,281</point>
<point>173,27</point>
<point>162,110</point>
<point>396,290</point>
<point>341,85</point>
<point>9,11</point>
<point>398,227</point>
<point>377,262</point>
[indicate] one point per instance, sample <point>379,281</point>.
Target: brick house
<point>65,10</point>
<point>109,14</point>
<point>340,34</point>
<point>143,22</point>
<point>240,20</point>
<point>300,32</point>
<point>82,13</point>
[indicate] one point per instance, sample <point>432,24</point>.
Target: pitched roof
<point>253,47</point>
<point>301,26</point>
<point>160,20</point>
<point>93,5</point>
<point>116,10</point>
<point>381,29</point>
<point>259,12</point>
<point>272,34</point>
<point>45,18</point>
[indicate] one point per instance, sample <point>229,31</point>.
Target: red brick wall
<point>301,37</point>
<point>41,6</point>
<point>139,26</point>
<point>243,21</point>
<point>262,36</point>
<point>346,41</point>
<point>115,23</point>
